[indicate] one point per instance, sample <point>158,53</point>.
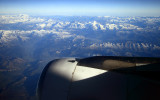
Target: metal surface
<point>101,78</point>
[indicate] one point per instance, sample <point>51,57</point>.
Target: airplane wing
<point>100,78</point>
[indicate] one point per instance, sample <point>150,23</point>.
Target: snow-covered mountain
<point>97,30</point>
<point>45,37</point>
<point>28,43</point>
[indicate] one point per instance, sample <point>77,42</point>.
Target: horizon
<point>41,15</point>
<point>81,7</point>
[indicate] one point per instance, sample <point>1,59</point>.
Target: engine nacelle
<point>100,78</point>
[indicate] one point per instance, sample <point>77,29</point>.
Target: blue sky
<point>82,7</point>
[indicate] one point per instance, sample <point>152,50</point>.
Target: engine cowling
<point>100,78</point>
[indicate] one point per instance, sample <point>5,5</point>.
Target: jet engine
<point>100,78</point>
